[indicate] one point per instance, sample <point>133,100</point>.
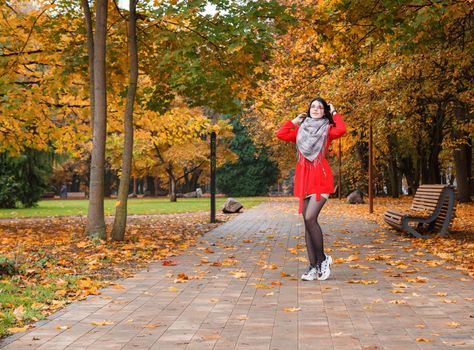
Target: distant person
<point>312,132</point>
<point>63,191</point>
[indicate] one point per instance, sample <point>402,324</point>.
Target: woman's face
<point>316,110</point>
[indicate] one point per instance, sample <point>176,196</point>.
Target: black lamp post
<point>213,116</point>
<point>213,176</point>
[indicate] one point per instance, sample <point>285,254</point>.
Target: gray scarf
<point>312,138</point>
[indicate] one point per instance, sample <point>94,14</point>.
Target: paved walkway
<point>243,292</point>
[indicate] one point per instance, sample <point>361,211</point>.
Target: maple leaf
<point>360,281</point>
<point>292,309</point>
<point>62,328</point>
<point>262,286</point>
<point>239,273</point>
<point>424,340</point>
<point>151,326</point>
<point>181,278</point>
<point>102,323</point>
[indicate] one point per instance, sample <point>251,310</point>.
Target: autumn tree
<point>118,230</point>
<point>402,67</point>
<point>95,215</point>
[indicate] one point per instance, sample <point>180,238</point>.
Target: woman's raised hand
<point>299,119</point>
<point>332,109</point>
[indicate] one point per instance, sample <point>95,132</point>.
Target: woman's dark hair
<point>327,112</point>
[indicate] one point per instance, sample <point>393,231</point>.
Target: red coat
<point>311,179</point>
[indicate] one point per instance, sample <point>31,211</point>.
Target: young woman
<point>312,132</point>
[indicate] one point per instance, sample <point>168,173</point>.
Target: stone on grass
<point>231,206</point>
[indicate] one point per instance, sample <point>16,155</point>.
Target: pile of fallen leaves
<point>457,247</point>
<point>47,263</point>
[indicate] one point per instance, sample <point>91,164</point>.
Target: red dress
<point>310,179</point>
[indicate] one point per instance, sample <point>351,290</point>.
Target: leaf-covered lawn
<point>55,264</point>
<point>142,206</point>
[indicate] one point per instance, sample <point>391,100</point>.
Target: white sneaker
<point>325,268</point>
<point>310,274</point>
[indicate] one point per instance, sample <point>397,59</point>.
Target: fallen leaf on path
<point>62,327</point>
<point>151,326</point>
<point>211,337</point>
<point>239,273</point>
<point>181,278</point>
<point>366,282</point>
<point>417,279</point>
<point>359,266</point>
<point>425,340</point>
<point>292,309</point>
<point>102,323</point>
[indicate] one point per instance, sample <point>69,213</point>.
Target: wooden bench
<point>432,210</point>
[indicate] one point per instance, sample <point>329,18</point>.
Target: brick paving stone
<point>216,309</point>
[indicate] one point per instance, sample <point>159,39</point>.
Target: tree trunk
<point>194,178</point>
<point>409,172</point>
<point>463,157</point>
<point>95,216</point>
<point>433,175</point>
<point>172,187</point>
<point>120,220</point>
<point>90,53</point>
<point>156,184</point>
<point>392,167</point>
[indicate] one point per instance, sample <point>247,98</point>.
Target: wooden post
<point>339,171</point>
<point>371,195</point>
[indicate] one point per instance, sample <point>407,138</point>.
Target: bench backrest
<point>427,198</point>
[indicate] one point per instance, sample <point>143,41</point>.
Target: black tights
<point>313,233</point>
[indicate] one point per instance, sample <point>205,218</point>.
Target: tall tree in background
<point>95,215</point>
<point>253,173</point>
<point>120,221</point>
<point>90,56</point>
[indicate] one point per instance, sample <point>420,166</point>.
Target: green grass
<point>15,294</point>
<point>135,206</point>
